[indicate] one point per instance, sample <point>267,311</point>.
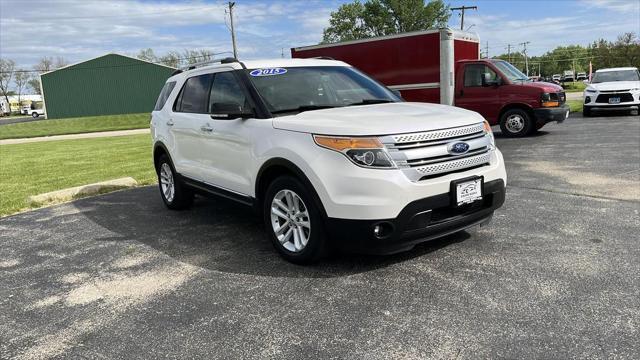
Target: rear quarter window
<point>164,95</point>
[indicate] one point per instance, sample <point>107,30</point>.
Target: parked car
<point>556,77</point>
<point>324,152</point>
<point>581,76</point>
<point>568,76</point>
<point>36,112</point>
<point>443,66</point>
<point>613,88</point>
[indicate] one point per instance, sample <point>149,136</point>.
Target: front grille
<point>614,91</point>
<point>426,154</point>
<point>604,98</point>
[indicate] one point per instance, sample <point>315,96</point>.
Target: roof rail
<point>226,60</point>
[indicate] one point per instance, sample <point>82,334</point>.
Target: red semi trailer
<point>444,66</point>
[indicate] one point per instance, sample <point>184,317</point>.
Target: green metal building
<point>107,85</point>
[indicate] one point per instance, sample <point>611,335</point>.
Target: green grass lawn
<point>35,168</point>
<point>575,105</point>
<point>577,86</point>
<point>74,125</point>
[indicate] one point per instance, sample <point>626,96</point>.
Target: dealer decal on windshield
<point>268,72</point>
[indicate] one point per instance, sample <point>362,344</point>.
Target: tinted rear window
<point>195,94</point>
<point>164,95</point>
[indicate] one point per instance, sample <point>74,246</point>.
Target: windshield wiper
<point>305,108</point>
<point>371,101</point>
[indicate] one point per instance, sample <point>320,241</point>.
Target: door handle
<point>206,128</point>
<point>461,93</point>
<point>170,122</point>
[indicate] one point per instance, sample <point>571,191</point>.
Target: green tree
<point>358,20</point>
<point>147,55</point>
<point>7,68</point>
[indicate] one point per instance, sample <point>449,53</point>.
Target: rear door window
<point>164,95</point>
<point>195,94</point>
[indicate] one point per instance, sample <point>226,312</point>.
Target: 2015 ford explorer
<point>326,154</point>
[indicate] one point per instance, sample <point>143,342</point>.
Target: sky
<point>82,29</point>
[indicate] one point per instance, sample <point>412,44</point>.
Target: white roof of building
<point>617,69</point>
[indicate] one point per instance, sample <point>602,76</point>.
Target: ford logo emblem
<point>458,148</point>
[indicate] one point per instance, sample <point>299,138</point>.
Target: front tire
<point>516,123</point>
<point>586,111</point>
<point>35,115</point>
<point>175,195</point>
<point>293,221</point>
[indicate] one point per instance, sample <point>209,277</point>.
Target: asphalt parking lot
<point>556,274</point>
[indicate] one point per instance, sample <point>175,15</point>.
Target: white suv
<point>327,155</point>
<point>613,88</point>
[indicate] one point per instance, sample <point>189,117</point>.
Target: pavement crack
<point>574,194</point>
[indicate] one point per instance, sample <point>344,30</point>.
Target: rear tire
<point>174,193</point>
<point>35,115</point>
<point>293,221</point>
<point>586,111</point>
<point>516,123</point>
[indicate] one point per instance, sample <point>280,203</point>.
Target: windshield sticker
<point>268,72</point>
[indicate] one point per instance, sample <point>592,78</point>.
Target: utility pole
<point>462,9</point>
<point>487,51</point>
<point>526,60</point>
<point>509,52</point>
<point>233,31</point>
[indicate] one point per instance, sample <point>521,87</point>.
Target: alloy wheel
<point>166,182</point>
<point>290,220</point>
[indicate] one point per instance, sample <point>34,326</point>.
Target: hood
<point>378,119</point>
<point>615,85</point>
<point>544,86</point>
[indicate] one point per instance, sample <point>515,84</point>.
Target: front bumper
<point>601,100</point>
<point>419,221</point>
<point>545,115</point>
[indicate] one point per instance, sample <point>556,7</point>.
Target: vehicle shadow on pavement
<point>220,235</point>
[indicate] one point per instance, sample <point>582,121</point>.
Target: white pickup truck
<point>325,154</point>
<point>34,112</point>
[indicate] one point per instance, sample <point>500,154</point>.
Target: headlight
<point>489,132</point>
<point>636,89</point>
<point>591,90</point>
<point>547,101</point>
<point>364,152</point>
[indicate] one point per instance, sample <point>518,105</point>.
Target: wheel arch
<point>520,106</point>
<point>160,149</point>
<point>276,167</point>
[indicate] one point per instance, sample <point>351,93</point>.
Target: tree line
<point>624,51</point>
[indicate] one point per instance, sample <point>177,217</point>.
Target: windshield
<point>510,71</point>
<point>296,89</point>
<point>618,75</point>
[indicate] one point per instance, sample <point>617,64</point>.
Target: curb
<point>81,191</point>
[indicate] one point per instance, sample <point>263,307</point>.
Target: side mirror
<point>396,93</point>
<point>486,80</point>
<point>229,111</point>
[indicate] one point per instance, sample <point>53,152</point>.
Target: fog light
<point>587,99</point>
<point>382,230</point>
<point>377,230</point>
